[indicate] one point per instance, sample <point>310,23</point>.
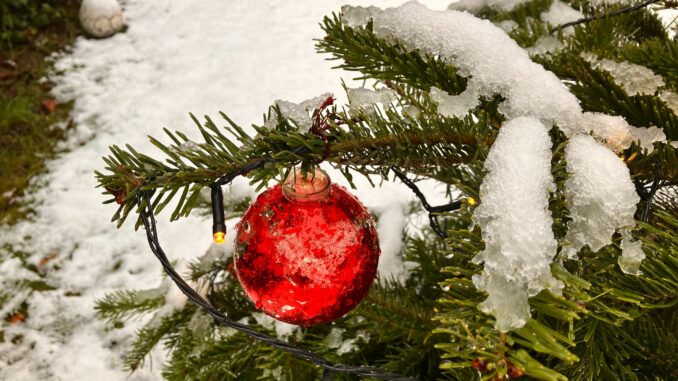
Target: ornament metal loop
<point>306,187</point>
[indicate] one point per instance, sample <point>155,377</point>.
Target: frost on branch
<point>617,134</point>
<point>298,113</point>
<point>476,5</point>
<point>454,105</point>
<point>516,222</point>
<point>361,98</point>
<point>561,13</point>
<point>601,198</point>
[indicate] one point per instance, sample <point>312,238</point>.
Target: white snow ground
<point>176,57</point>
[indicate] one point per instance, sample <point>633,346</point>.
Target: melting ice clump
<point>478,49</point>
<point>299,113</point>
<point>617,134</point>
<point>361,98</point>
<point>514,215</point>
<point>601,198</point>
<point>516,222</point>
<point>454,105</point>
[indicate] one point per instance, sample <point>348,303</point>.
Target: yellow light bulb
<point>219,237</point>
<point>630,158</point>
<point>471,201</point>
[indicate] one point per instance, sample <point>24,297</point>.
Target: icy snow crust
<point>600,195</point>
<point>481,50</point>
<point>516,222</point>
<point>299,113</point>
<point>561,13</point>
<point>362,98</point>
<point>494,63</point>
<point>514,215</point>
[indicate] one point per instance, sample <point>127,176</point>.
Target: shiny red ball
<point>306,262</point>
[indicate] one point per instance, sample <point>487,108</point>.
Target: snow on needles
<point>476,5</point>
<point>299,113</point>
<point>601,198</point>
<point>560,13</point>
<point>477,48</point>
<point>492,61</point>
<point>516,222</point>
<point>514,215</point>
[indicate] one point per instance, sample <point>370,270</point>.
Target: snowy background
<point>175,57</point>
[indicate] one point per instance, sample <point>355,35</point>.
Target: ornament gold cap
<point>306,187</point>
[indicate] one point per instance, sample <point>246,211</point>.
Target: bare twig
<point>611,14</point>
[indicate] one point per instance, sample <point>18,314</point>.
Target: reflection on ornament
<point>306,251</point>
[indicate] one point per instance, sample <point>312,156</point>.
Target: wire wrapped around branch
<point>432,210</point>
<point>148,220</point>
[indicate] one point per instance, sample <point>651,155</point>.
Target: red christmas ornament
<point>306,251</point>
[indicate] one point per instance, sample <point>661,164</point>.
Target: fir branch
<point>657,333</point>
<point>608,37</point>
<point>122,305</point>
<point>374,141</point>
<point>659,55</point>
<point>151,334</point>
<point>360,50</point>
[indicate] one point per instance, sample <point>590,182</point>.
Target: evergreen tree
<point>605,322</point>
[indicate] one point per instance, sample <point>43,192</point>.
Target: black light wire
<point>329,369</point>
<point>149,222</point>
<point>433,211</point>
<point>648,195</point>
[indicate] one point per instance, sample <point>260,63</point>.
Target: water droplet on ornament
<point>267,213</point>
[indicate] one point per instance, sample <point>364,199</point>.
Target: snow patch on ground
<point>174,58</point>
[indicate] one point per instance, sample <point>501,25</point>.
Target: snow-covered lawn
<point>175,57</point>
